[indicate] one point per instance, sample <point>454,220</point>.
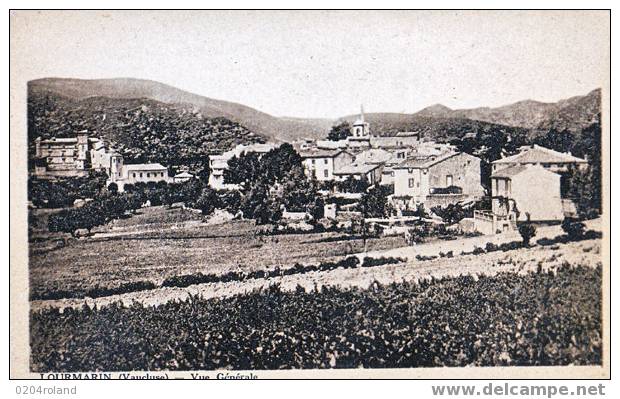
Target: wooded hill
<point>141,129</point>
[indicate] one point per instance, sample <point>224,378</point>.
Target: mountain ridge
<point>570,114</point>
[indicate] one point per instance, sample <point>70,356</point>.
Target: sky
<point>325,64</point>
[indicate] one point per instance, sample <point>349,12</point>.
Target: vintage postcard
<point>309,194</point>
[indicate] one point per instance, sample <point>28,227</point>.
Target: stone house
<point>321,163</point>
<point>450,177</point>
<point>388,159</point>
<point>359,171</point>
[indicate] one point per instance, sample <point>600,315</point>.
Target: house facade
<point>421,177</point>
<point>362,171</point>
<point>140,173</point>
<point>70,156</point>
<point>521,193</point>
<point>321,163</point>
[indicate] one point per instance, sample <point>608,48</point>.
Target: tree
<point>298,192</point>
<point>561,141</point>
<point>339,132</point>
<point>231,200</point>
<point>268,212</point>
<point>113,188</point>
<point>584,185</point>
<point>243,170</point>
<point>527,231</point>
<point>373,203</point>
<point>208,201</point>
<point>71,220</point>
<point>452,213</point>
<point>277,163</point>
<point>353,185</point>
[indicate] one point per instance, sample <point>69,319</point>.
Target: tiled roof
<point>356,169</point>
<point>144,166</point>
<point>374,155</point>
<point>509,171</point>
<point>320,153</point>
<point>407,134</point>
<point>538,154</point>
<point>424,161</point>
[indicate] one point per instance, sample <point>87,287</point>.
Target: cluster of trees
<point>340,131</point>
<point>94,213</point>
<point>62,192</point>
<point>272,182</point>
<point>584,187</point>
<point>453,321</point>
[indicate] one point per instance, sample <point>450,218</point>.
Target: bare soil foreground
<point>586,253</point>
<point>160,243</point>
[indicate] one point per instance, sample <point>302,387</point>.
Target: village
<point>418,174</point>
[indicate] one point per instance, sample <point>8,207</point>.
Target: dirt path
<point>586,253</point>
<point>468,244</point>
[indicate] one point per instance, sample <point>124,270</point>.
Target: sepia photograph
<point>310,194</point>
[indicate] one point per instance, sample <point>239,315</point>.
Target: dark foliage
<point>339,132</point>
<point>142,130</point>
<point>553,320</point>
<point>62,192</point>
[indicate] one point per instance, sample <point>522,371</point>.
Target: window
<point>325,161</point>
<point>140,174</point>
<point>326,173</point>
<point>411,183</point>
<point>148,175</point>
<point>162,174</point>
<point>313,161</point>
<point>134,174</point>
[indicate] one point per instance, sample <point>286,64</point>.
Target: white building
<point>520,193</point>
<point>139,173</point>
<point>321,163</point>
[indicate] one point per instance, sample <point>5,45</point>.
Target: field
<point>160,243</point>
<point>239,300</point>
<point>539,318</point>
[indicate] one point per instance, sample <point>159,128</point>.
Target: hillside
<point>141,129</point>
<point>437,128</point>
<point>525,118</point>
<point>273,128</point>
<point>571,114</point>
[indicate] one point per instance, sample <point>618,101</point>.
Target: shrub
<point>490,247</point>
<point>574,229</point>
<point>370,262</point>
<point>477,251</point>
<point>527,231</point>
